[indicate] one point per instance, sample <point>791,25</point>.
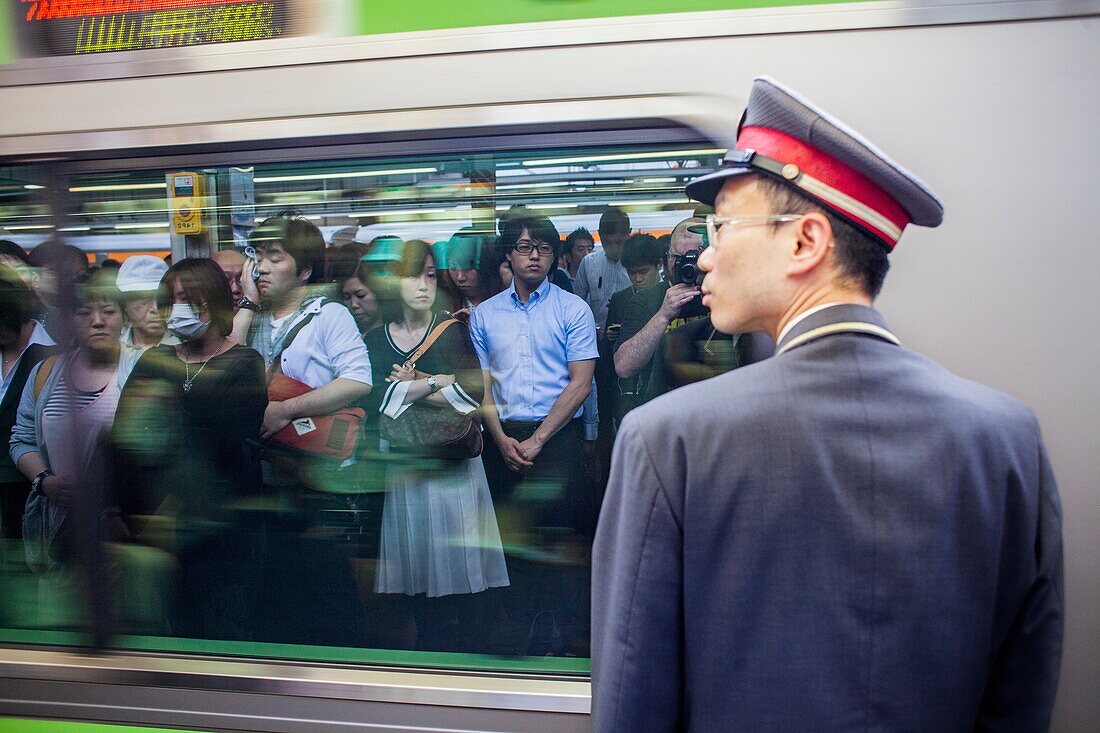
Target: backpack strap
<point>427,344</point>
<point>43,374</point>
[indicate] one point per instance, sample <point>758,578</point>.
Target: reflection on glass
<point>288,465</point>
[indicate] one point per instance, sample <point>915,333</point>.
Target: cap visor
<point>705,188</point>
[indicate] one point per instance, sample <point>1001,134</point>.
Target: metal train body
<point>993,103</point>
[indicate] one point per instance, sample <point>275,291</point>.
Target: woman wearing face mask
<point>440,541</point>
<point>181,436</point>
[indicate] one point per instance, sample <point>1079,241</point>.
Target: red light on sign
<point>57,9</point>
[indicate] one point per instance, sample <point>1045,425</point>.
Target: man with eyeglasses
<point>845,536</point>
<point>537,347</point>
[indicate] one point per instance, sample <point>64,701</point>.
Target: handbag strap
<point>427,343</point>
<point>276,363</point>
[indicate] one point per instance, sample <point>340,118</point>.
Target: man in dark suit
<point>845,536</point>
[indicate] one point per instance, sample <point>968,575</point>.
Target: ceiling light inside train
<point>351,174</point>
<point>659,155</point>
<point>118,187</point>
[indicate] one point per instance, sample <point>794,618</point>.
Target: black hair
<point>95,286</point>
<point>665,242</point>
<point>18,302</point>
<point>540,228</point>
<point>300,237</point>
<point>414,256</point>
<point>861,258</point>
<point>202,281</point>
<point>613,221</point>
<point>53,254</point>
<point>11,249</point>
<point>578,233</point>
<point>642,249</point>
<point>489,272</point>
<point>342,263</point>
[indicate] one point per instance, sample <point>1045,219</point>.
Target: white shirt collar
<point>803,316</point>
<point>40,336</point>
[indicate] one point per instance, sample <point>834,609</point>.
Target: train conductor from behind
<point>845,536</point>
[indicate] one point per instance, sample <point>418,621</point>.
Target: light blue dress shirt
<point>527,347</point>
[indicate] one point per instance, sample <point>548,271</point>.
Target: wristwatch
<point>248,305</point>
<point>36,482</point>
<point>432,386</point>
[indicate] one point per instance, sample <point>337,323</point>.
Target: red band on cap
<point>834,174</point>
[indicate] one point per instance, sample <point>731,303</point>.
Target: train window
<point>258,456</point>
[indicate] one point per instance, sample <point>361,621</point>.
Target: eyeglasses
<point>526,247</point>
<point>715,222</point>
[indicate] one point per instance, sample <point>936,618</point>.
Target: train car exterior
<point>993,102</point>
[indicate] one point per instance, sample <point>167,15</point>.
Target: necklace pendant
<point>187,385</point>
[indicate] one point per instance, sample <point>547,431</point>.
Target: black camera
<point>686,269</point>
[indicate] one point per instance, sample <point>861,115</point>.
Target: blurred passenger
<point>537,346</point>
<point>23,344</point>
<point>578,245</point>
<point>231,263</point>
<point>667,339</point>
<point>138,280</point>
<point>602,274</point>
<point>67,405</point>
<point>439,529</point>
<point>300,333</point>
<point>12,255</point>
<point>471,267</point>
<point>311,596</point>
<point>110,264</point>
<point>362,302</point>
<point>186,418</point>
<point>57,267</point>
<point>342,268</point>
<point>642,258</point>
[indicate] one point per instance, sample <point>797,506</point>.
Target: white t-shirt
<point>327,347</point>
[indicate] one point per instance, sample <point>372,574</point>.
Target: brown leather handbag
<point>436,431</point>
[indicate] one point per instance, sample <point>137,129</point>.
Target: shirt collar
<point>803,316</point>
<point>538,296</point>
<point>40,336</point>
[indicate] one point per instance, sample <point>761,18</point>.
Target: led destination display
<point>62,27</point>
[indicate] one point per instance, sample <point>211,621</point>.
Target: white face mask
<point>184,322</point>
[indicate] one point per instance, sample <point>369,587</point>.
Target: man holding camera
<point>667,339</point>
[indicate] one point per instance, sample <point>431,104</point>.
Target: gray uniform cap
<point>784,135</point>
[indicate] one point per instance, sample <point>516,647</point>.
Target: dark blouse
<point>453,353</point>
<point>191,444</point>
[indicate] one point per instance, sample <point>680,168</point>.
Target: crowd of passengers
<point>145,425</point>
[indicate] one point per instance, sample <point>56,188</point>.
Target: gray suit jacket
<point>843,537</point>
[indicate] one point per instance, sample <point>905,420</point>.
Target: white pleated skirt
<point>440,533</point>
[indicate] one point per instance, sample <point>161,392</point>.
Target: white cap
<point>140,273</point>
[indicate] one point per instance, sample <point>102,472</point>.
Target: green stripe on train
<point>22,725</point>
<point>396,16</point>
<point>297,652</point>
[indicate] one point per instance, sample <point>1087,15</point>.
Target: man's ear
<point>305,275</point>
<point>813,240</point>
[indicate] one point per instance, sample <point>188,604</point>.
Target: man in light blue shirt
<point>537,347</point>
